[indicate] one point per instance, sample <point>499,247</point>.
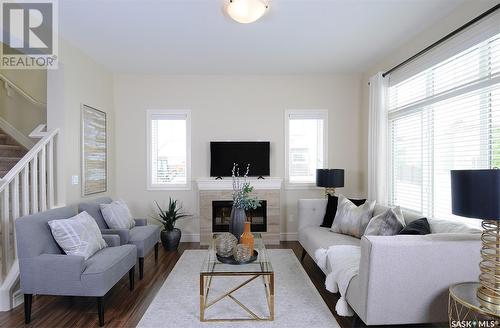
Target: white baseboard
<point>289,236</point>
<point>195,237</point>
<point>190,237</point>
<point>15,134</point>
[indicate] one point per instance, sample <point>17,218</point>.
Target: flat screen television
<point>224,153</point>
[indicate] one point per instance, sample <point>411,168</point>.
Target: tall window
<point>306,144</point>
<point>169,144</point>
<point>445,117</point>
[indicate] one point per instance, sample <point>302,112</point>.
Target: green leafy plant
<point>242,190</point>
<point>170,215</point>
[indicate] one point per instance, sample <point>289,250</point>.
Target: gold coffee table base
<point>206,281</point>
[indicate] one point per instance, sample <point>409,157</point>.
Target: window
<point>169,147</point>
<point>306,144</point>
<point>445,117</point>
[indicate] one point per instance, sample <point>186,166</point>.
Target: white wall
<point>79,80</point>
<point>234,108</point>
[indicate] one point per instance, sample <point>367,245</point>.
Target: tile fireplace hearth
<point>215,199</point>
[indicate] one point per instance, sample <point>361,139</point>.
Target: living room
<point>358,119</point>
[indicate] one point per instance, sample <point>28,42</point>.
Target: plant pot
<point>170,239</point>
<point>238,218</point>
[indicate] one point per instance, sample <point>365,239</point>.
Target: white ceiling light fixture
<point>246,11</point>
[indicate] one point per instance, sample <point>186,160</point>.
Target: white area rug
<point>297,302</point>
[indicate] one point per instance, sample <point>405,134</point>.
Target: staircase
<point>10,153</point>
<point>26,187</point>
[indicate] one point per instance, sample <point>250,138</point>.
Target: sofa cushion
<point>454,226</point>
<point>388,223</point>
<point>417,227</point>
<point>78,235</point>
<point>314,237</point>
<point>331,209</point>
<point>351,219</point>
<point>117,215</point>
<point>144,237</point>
<point>106,267</point>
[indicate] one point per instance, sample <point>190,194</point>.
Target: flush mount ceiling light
<point>246,11</point>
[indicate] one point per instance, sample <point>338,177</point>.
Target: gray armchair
<point>46,270</point>
<point>144,236</point>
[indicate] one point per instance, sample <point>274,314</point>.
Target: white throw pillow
<point>388,223</point>
<point>117,215</point>
<point>351,219</point>
<point>454,226</point>
<point>78,235</point>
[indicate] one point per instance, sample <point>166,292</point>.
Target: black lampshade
<point>476,193</point>
<point>330,178</point>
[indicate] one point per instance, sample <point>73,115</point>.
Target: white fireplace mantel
<point>227,183</point>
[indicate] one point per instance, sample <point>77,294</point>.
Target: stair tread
<point>3,146</point>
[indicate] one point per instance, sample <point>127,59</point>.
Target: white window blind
<point>168,149</point>
<point>306,144</point>
<point>445,115</point>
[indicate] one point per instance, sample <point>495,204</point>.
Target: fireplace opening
<point>221,216</point>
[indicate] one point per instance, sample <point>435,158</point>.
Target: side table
<point>464,308</point>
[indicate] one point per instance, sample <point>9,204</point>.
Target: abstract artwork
<point>94,151</point>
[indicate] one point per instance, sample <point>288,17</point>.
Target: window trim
<point>307,113</point>
<point>149,115</point>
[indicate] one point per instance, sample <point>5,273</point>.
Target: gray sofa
<point>144,236</point>
<point>402,279</point>
<point>46,270</point>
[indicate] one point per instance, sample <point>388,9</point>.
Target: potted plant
<point>170,235</point>
<point>242,201</point>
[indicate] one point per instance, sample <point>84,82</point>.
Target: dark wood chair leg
<point>28,299</point>
<point>304,253</point>
<point>131,277</point>
<point>100,310</point>
<point>156,252</point>
<point>141,268</point>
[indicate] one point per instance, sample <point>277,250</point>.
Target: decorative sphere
<point>241,253</point>
<point>224,244</point>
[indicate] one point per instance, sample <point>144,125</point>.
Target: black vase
<point>237,225</point>
<point>170,239</point>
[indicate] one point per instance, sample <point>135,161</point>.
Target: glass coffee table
<point>213,269</point>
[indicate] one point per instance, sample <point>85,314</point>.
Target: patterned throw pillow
<point>388,223</point>
<point>117,215</point>
<point>78,235</point>
<point>351,219</point>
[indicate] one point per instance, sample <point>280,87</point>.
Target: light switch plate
<point>75,179</point>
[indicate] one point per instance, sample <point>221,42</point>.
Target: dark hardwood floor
<point>124,308</point>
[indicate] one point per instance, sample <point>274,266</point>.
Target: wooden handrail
<point>23,93</point>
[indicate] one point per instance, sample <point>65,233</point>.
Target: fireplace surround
<point>268,190</point>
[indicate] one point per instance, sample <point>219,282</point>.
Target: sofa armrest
<point>50,273</point>
<point>405,279</point>
<point>311,212</point>
<point>112,240</point>
<point>123,233</point>
<point>141,222</point>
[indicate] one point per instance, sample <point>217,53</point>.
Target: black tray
<point>231,260</point>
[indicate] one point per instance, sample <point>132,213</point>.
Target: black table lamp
<point>476,194</point>
<point>330,179</point>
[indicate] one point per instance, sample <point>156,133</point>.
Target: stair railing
<point>19,90</point>
<point>28,188</point>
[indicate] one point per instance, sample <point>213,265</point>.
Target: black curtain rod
<point>448,36</point>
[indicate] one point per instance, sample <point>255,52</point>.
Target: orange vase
<point>247,237</point>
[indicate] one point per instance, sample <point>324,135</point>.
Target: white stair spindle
<point>50,173</point>
<point>34,185</point>
<point>5,229</point>
<point>25,190</point>
<point>43,179</point>
<point>14,198</point>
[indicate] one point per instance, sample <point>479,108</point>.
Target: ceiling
<point>195,37</point>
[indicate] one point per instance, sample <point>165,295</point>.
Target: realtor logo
<point>29,38</point>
